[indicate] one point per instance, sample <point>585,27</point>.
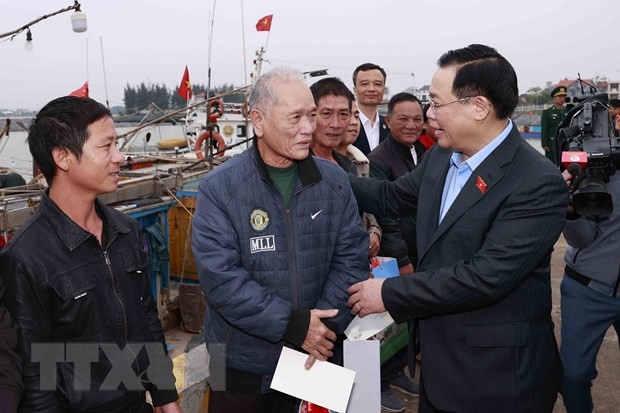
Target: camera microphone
<point>574,169</point>
<point>575,162</point>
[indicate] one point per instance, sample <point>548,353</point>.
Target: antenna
<point>583,82</point>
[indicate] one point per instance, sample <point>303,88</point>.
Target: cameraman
<point>590,302</point>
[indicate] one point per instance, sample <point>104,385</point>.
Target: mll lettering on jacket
<point>261,244</point>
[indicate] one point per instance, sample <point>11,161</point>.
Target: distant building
<point>423,93</point>
<point>420,93</point>
<point>613,89</point>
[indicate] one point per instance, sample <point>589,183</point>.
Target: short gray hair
<point>262,96</point>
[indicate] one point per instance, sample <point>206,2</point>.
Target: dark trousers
<point>586,317</point>
<point>231,401</point>
<point>392,368</point>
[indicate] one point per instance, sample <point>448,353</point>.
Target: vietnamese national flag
<point>185,89</point>
<point>81,92</point>
<point>482,186</point>
<point>264,24</point>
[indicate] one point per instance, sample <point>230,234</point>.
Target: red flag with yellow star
<point>185,89</point>
<point>264,24</point>
<point>482,186</point>
<point>81,92</point>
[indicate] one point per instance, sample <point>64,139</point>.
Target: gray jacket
<point>594,245</point>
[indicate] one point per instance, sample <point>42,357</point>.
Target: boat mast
<point>105,81</point>
<point>245,66</point>
<point>209,58</point>
<point>209,126</point>
<point>87,67</point>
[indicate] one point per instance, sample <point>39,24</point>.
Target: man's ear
<point>258,120</point>
<point>387,121</point>
<point>482,107</point>
<point>61,158</point>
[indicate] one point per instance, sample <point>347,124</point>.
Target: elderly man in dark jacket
<point>277,240</point>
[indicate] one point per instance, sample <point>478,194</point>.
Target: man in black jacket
<point>399,154</point>
<point>77,278</point>
<point>11,385</point>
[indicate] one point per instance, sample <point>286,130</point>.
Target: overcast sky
<point>153,40</point>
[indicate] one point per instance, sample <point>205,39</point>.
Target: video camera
<point>589,151</point>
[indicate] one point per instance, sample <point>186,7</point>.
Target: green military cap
<point>559,90</point>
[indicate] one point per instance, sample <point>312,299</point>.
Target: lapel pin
<point>482,186</point>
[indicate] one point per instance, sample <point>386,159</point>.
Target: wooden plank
<point>143,190</point>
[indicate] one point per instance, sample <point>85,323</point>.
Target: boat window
<point>241,132</point>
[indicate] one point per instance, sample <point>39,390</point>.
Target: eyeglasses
<point>436,106</point>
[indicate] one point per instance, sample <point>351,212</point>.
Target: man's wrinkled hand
<point>366,297</point>
<point>319,340</point>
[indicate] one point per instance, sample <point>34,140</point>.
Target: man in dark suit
<point>489,208</point>
<point>369,87</point>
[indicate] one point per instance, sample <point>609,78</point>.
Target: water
<point>14,152</point>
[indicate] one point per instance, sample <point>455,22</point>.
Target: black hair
<point>330,86</point>
<point>62,123</point>
<point>482,71</point>
<point>365,67</point>
<point>401,97</point>
<point>614,103</point>
<point>425,109</point>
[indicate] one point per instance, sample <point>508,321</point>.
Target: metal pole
<point>105,81</point>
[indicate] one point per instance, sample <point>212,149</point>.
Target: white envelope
<point>325,384</point>
<point>364,328</point>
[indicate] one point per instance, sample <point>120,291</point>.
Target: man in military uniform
<point>550,120</point>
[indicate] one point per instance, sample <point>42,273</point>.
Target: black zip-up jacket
<point>11,384</point>
<point>389,161</point>
<point>76,300</point>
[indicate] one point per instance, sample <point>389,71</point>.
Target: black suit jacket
<point>361,142</point>
<point>388,161</point>
<point>482,290</point>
